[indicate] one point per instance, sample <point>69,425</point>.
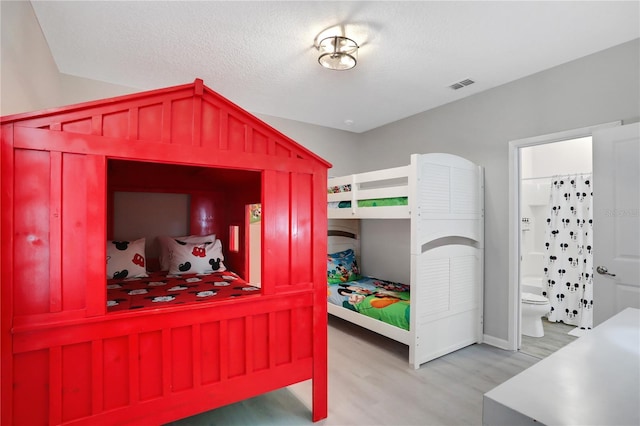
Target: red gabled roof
<point>189,114</point>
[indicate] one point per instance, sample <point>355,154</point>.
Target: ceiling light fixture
<point>338,53</point>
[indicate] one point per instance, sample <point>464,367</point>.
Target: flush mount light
<point>338,53</point>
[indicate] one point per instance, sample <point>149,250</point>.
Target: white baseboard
<point>498,343</point>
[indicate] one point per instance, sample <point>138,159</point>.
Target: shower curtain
<point>568,260</point>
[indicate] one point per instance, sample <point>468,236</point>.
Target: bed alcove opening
<point>212,201</point>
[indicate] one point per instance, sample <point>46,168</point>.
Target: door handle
<point>603,271</point>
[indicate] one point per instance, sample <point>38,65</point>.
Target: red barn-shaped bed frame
<point>65,360</point>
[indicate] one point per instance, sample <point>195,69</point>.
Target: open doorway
<point>550,175</point>
<point>535,164</point>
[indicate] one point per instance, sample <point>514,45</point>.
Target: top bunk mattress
<point>387,202</point>
<point>374,202</point>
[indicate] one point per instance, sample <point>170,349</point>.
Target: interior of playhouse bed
<point>155,201</point>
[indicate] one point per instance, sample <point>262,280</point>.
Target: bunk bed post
<point>414,216</point>
<point>480,246</point>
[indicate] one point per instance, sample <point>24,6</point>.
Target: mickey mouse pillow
<point>195,258</point>
<point>165,244</point>
<point>126,259</point>
<point>342,267</point>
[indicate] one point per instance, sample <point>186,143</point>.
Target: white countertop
<point>594,380</point>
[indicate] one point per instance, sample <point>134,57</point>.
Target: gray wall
<point>338,147</point>
<point>595,89</point>
<point>29,75</point>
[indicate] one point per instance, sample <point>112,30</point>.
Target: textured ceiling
<point>261,55</point>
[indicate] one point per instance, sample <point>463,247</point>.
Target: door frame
<point>513,329</point>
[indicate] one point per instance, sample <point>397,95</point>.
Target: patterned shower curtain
<point>568,260</point>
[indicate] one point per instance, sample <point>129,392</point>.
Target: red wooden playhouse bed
<point>66,359</point>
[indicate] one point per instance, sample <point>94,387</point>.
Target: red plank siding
<point>283,334</point>
<point>301,236</point>
<point>96,211</point>
<point>210,355</point>
<point>260,342</point>
<point>181,130</point>
<point>30,383</point>
<point>31,232</point>
<point>181,359</point>
<point>260,143</point>
<point>210,125</point>
<point>116,125</point>
<point>79,126</point>
<point>276,221</point>
<point>150,122</point>
<point>151,373</point>
<point>116,372</point>
<point>73,248</point>
<point>76,381</point>
<point>236,134</point>
<point>236,347</point>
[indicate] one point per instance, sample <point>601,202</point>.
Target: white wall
<point>565,157</point>
<point>386,252</point>
<point>29,75</point>
<point>30,78</point>
<point>599,88</point>
<point>534,209</point>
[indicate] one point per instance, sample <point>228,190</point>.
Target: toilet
<point>532,308</point>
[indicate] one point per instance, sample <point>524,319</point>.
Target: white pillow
<point>195,258</point>
<point>164,242</point>
<point>126,259</point>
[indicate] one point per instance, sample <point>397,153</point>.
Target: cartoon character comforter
<point>160,289</point>
<point>383,300</point>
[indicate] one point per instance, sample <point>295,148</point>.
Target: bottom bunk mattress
<point>380,299</point>
<point>160,289</point>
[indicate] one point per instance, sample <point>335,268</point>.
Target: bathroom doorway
<point>534,162</point>
<point>542,169</point>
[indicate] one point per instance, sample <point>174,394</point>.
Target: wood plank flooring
<point>372,383</point>
<point>555,337</point>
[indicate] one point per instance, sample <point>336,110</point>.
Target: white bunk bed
<point>445,206</point>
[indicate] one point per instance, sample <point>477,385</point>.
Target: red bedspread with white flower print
<point>160,289</point>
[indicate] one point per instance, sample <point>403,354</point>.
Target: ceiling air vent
<point>461,84</point>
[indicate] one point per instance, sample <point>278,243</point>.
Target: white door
<point>616,215</point>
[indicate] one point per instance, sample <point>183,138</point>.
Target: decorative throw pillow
<point>195,258</point>
<point>164,242</point>
<point>342,267</point>
<point>126,259</point>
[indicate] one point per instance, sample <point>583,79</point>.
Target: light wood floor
<point>555,337</point>
<point>371,383</point>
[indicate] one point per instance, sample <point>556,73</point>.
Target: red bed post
<point>320,374</point>
<point>64,358</point>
